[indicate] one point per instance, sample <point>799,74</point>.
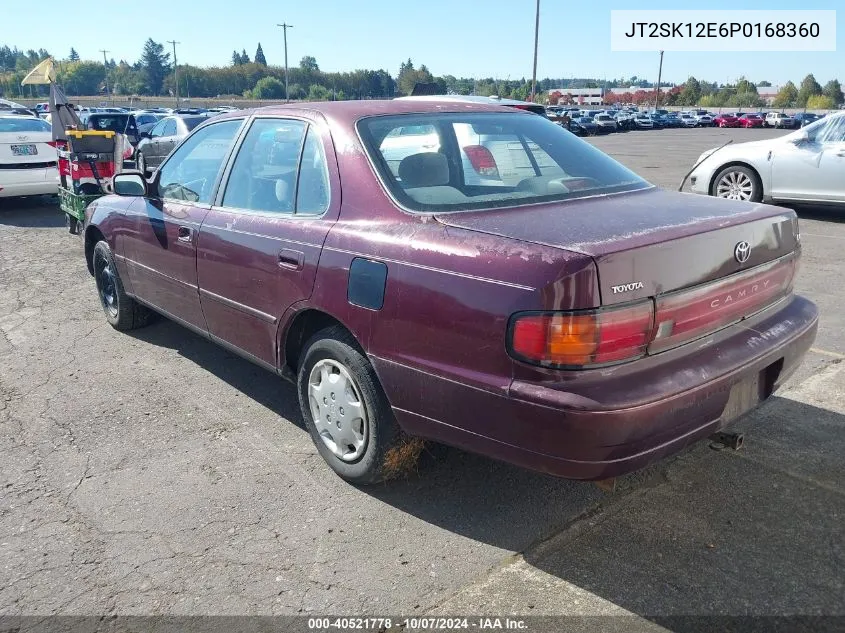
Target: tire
<point>122,311</point>
<point>141,163</point>
<point>737,183</point>
<point>370,437</point>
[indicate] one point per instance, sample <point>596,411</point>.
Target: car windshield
<point>829,129</point>
<point>10,124</point>
<point>465,161</point>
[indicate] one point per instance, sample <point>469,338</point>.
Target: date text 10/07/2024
<point>417,624</point>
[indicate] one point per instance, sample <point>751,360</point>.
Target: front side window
<point>158,130</point>
<point>487,160</point>
<point>191,171</point>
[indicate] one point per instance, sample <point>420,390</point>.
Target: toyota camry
<point>490,282</point>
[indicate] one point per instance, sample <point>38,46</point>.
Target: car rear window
<point>468,161</point>
<point>9,124</point>
<point>193,121</point>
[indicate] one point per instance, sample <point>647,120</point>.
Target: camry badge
<point>742,251</point>
<point>635,285</point>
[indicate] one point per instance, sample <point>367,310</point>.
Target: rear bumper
<point>554,430</point>
<point>29,182</point>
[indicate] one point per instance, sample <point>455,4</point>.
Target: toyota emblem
<point>742,251</point>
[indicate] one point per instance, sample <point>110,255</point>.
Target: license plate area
<point>24,150</point>
<point>748,393</point>
<point>744,396</point>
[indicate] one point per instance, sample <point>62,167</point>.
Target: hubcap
<point>338,410</point>
<point>106,285</point>
<point>735,185</point>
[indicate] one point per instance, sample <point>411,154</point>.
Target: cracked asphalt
<point>154,473</point>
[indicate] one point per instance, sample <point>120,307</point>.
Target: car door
<point>150,148</point>
<point>811,167</point>
<point>174,131</point>
<point>160,248</point>
<point>259,247</point>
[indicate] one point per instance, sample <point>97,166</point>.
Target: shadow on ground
<point>264,387</point>
<point>755,532</point>
<point>751,532</point>
<point>821,213</point>
<point>34,212</point>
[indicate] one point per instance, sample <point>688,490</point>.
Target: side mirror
<point>129,183</point>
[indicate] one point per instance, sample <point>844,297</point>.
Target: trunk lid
<point>651,242</point>
<point>25,150</point>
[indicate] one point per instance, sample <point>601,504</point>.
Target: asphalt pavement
<point>154,473</point>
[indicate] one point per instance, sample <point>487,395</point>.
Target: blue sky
<point>479,38</point>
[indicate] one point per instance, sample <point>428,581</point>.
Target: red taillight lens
<point>127,153</point>
<point>686,315</point>
<point>482,161</point>
<point>562,339</point>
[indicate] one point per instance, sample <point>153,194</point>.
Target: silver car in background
<point>805,166</point>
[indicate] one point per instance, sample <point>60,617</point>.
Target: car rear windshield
<point>466,161</point>
<point>192,121</point>
<point>29,124</point>
<point>113,122</point>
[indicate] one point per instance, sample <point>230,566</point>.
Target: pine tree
<point>156,64</point>
<point>259,56</point>
<point>74,56</point>
<point>244,57</point>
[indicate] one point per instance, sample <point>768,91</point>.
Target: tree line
<point>252,77</point>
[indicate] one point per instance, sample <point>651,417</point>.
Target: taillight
<point>580,339</point>
<point>127,153</point>
<point>53,144</point>
<point>482,161</point>
<point>689,314</point>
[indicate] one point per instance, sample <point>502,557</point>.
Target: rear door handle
<point>291,259</point>
<point>184,234</point>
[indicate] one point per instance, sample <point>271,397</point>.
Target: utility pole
<point>106,68</point>
<point>536,39</point>
<point>659,76</point>
<point>285,28</point>
<point>175,70</point>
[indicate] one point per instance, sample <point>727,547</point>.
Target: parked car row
<point>587,122</point>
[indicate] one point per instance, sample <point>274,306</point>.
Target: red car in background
<point>726,120</point>
<point>751,120</point>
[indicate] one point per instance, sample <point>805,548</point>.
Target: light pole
<point>106,69</point>
<point>659,77</point>
<point>536,39</point>
<point>175,71</point>
<point>285,28</point>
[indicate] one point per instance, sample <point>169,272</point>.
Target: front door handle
<point>184,234</point>
<point>291,259</point>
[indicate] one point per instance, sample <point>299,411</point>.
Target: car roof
<point>351,111</point>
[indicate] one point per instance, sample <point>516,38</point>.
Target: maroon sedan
<point>726,120</point>
<point>751,120</point>
<point>464,273</point>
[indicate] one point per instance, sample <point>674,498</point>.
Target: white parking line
<point>825,352</point>
<point>833,237</point>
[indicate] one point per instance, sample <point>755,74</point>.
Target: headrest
<point>429,169</point>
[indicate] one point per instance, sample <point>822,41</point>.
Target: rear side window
<point>280,168</point>
<point>469,161</point>
<point>169,128</point>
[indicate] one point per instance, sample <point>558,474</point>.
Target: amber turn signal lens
<point>561,339</point>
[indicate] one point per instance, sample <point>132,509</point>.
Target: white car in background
<point>805,166</point>
<point>28,157</point>
<point>779,119</point>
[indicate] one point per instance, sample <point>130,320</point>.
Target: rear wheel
<point>122,311</point>
<point>346,411</point>
<point>737,183</point>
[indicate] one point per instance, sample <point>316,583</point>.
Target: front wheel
<point>122,311</point>
<point>347,413</point>
<point>737,183</point>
